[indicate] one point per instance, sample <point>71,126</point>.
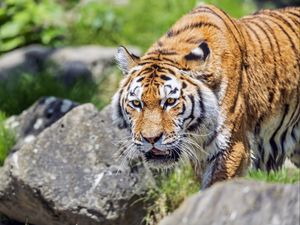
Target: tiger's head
<point>173,93</point>
<point>163,105</point>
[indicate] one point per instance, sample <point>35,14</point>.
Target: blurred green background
<point>105,22</point>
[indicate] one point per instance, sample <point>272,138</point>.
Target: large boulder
<point>240,202</point>
<point>68,175</point>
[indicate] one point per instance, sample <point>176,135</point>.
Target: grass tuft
<point>284,176</point>
<point>7,139</point>
<point>20,92</point>
<point>173,187</point>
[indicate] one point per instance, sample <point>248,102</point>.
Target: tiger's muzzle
<point>158,152</point>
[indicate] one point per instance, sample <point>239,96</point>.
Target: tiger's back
<point>272,90</point>
<point>267,87</point>
<point>234,87</point>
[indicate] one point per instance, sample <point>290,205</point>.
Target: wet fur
<point>246,78</point>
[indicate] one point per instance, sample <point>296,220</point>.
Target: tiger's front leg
<point>226,164</point>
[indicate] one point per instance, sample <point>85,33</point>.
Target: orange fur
<point>252,67</point>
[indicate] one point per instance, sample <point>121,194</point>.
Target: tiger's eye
<point>136,103</point>
<point>170,101</point>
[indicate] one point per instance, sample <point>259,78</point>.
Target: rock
<point>240,202</point>
<point>69,63</point>
<point>39,116</point>
<point>69,175</point>
<point>87,61</point>
<point>24,60</point>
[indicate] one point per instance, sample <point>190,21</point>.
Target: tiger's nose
<point>153,140</point>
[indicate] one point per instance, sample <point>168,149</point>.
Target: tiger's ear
<point>199,54</point>
<point>126,60</point>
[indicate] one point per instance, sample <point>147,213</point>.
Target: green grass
<point>21,92</point>
<point>7,139</point>
<point>172,188</point>
<point>139,23</point>
<point>284,176</point>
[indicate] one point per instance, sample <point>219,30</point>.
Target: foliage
<point>54,23</point>
<point>28,21</point>
<point>7,139</point>
<point>20,92</point>
<point>138,23</point>
<point>172,188</point>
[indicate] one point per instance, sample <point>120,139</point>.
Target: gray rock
<point>69,175</point>
<point>39,116</point>
<point>240,202</point>
<point>24,60</point>
<point>88,62</point>
<point>69,63</point>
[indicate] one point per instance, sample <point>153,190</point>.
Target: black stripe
<point>183,110</point>
<point>297,121</point>
<point>190,82</point>
<point>191,116</point>
<point>273,34</point>
<point>140,79</point>
<point>274,37</point>
<point>164,63</point>
<point>199,120</point>
<point>248,35</point>
<point>168,70</point>
<point>201,102</point>
<point>261,149</point>
<point>275,73</point>
<point>272,140</point>
<point>169,60</point>
<point>200,9</point>
<point>232,108</point>
<point>194,127</point>
<point>233,23</point>
<point>266,34</point>
<point>192,40</point>
<point>258,39</point>
<point>296,21</point>
<point>191,56</point>
<point>227,26</point>
<point>119,105</point>
<point>294,14</point>
<point>296,112</point>
<point>282,139</point>
<point>289,37</point>
<point>173,33</point>
<point>212,138</point>
<point>162,52</point>
<point>174,91</point>
<point>284,20</point>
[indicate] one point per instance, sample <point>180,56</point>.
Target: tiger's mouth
<point>160,156</point>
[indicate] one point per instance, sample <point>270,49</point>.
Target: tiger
<point>219,91</point>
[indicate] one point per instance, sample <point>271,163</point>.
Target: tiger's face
<point>152,106</point>
<point>162,106</point>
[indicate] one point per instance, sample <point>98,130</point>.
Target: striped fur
<point>221,91</point>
